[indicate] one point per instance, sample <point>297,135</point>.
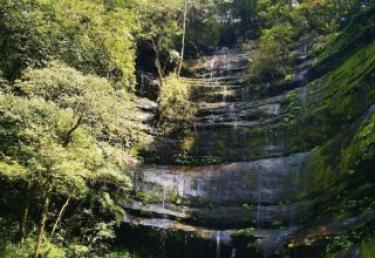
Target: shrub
<point>174,101</point>
<point>49,250</point>
<point>273,52</point>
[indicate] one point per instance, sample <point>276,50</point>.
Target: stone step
<point>261,191</point>
<point>246,214</point>
<point>233,78</point>
<point>241,110</point>
<point>270,240</point>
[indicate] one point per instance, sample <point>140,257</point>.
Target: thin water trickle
<point>164,196</point>
<point>218,243</point>
<point>163,237</point>
<point>276,109</point>
<point>259,206</point>
<point>244,92</point>
<point>233,253</point>
<point>265,253</point>
<point>225,92</point>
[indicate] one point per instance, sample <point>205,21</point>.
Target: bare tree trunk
<point>157,63</point>
<point>182,53</point>
<point>25,213</point>
<point>42,223</point>
<point>59,217</point>
<point>23,221</point>
<point>68,135</point>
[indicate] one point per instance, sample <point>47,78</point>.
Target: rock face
<point>263,166</point>
<point>255,186</point>
<point>257,192</point>
<point>235,121</point>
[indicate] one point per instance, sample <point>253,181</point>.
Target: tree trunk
<point>157,63</point>
<point>25,213</point>
<point>59,217</point>
<point>42,223</point>
<point>22,225</point>
<point>68,135</point>
<point>182,53</point>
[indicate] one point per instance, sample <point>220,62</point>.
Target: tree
<point>84,34</point>
<point>35,151</point>
<point>111,115</point>
<point>182,52</point>
<point>273,59</point>
<point>160,29</point>
<point>326,16</point>
<point>64,136</point>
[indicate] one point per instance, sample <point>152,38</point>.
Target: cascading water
<point>218,243</point>
<point>163,237</point>
<point>259,197</point>
<point>237,129</point>
<point>233,253</point>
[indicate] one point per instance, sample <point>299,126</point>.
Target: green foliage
<point>174,100</point>
<point>161,39</point>
<point>81,33</point>
<point>343,45</point>
<point>39,128</point>
<point>343,93</point>
<point>361,153</point>
<point>104,37</point>
<point>37,153</point>
<point>66,137</point>
<point>49,250</point>
<point>111,115</point>
<point>272,12</point>
<point>203,28</point>
<point>340,243</point>
<point>273,58</point>
<point>325,15</point>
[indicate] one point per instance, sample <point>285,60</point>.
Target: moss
<point>357,34</point>
<point>367,249</point>
<point>337,100</point>
<point>147,198</point>
<point>361,151</point>
<point>337,119</point>
<point>245,232</point>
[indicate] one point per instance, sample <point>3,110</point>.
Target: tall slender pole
<point>182,53</point>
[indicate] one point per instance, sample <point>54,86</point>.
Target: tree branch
<point>68,136</point>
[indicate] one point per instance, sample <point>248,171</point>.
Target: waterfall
<point>259,193</point>
<point>218,243</point>
<point>234,128</point>
<point>259,206</point>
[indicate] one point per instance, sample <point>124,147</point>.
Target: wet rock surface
<point>236,120</point>
<point>254,195</point>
